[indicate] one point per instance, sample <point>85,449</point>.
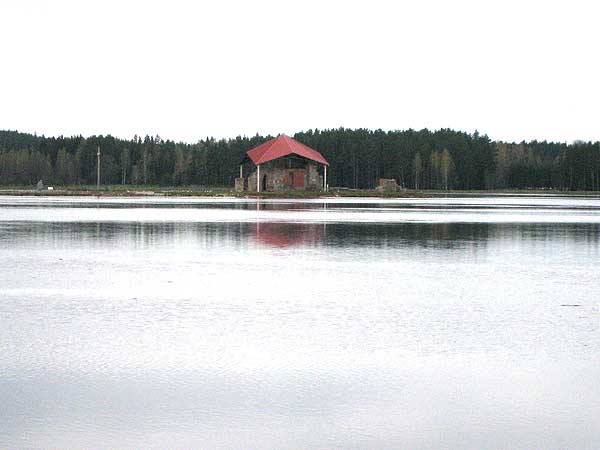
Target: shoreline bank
<point>156,191</point>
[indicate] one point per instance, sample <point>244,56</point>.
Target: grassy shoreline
<point>201,191</point>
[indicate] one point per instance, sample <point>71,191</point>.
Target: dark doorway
<point>263,186</point>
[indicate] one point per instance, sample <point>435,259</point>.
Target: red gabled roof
<point>282,146</point>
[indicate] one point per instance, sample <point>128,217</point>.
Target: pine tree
<point>418,164</point>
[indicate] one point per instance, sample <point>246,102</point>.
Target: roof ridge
<point>288,141</point>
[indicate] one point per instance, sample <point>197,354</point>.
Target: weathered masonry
<point>282,164</point>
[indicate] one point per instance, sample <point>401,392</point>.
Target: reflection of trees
<point>137,235</point>
<point>124,235</point>
<point>454,235</point>
<point>445,235</point>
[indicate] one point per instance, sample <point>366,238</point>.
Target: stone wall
<point>281,175</point>
<point>387,185</point>
<point>239,184</point>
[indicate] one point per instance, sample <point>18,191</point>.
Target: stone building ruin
<point>282,164</point>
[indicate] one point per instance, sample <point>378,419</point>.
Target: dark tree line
<point>443,159</point>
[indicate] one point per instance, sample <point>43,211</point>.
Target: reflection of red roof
<point>282,146</point>
<point>284,235</point>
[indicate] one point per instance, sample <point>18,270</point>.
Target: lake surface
<point>465,323</point>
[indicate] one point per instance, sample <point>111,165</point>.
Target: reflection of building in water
<point>282,164</point>
<point>288,234</point>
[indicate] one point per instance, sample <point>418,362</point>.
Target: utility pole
<point>98,171</point>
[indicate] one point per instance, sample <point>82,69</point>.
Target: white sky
<point>190,69</point>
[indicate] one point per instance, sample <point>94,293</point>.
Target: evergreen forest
<point>417,159</point>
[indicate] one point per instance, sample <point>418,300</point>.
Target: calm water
<point>443,323</point>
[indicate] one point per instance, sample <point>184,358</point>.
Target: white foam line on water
<point>209,215</point>
<point>492,201</point>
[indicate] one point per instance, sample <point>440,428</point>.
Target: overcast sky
<point>515,70</point>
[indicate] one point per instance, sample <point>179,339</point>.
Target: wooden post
<point>258,178</point>
<point>98,171</point>
<point>325,179</point>
<point>241,176</point>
